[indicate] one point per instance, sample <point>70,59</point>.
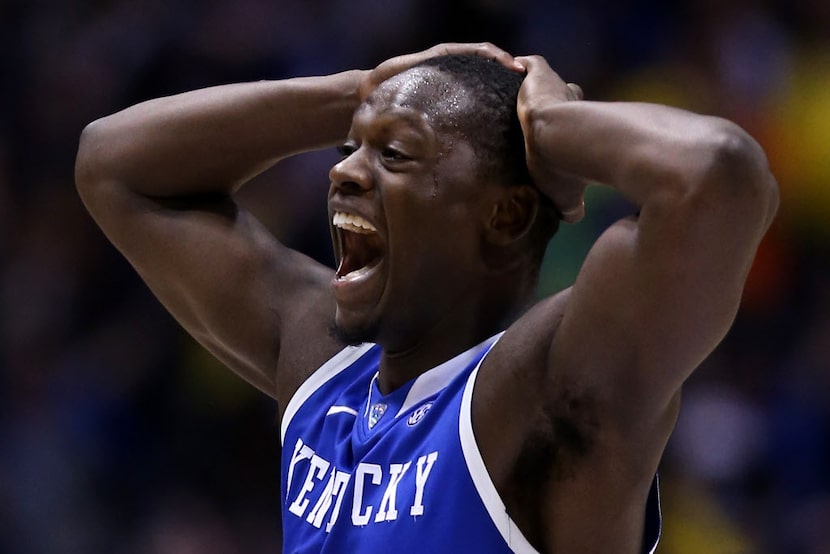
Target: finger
<point>574,214</point>
<point>484,49</point>
<point>533,63</point>
<point>401,63</point>
<point>495,53</point>
<point>576,90</point>
<point>568,196</point>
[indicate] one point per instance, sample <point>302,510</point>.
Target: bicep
<point>221,274</point>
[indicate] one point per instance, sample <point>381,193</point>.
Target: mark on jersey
<point>375,413</point>
<point>329,485</point>
<point>418,414</point>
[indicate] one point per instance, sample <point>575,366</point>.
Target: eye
<point>396,155</point>
<point>345,150</point>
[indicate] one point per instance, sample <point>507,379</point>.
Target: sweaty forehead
<point>425,89</point>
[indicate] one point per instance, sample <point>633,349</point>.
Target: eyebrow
<point>413,118</point>
<point>404,112</point>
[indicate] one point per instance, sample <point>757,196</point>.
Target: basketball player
<point>448,412</point>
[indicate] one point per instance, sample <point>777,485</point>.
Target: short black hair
<point>491,125</point>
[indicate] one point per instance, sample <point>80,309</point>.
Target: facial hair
<point>353,337</point>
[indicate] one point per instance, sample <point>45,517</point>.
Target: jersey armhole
<point>653,528</point>
<point>510,532</point>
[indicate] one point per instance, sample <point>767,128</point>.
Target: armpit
<point>564,434</point>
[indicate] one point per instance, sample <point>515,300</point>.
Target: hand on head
<point>541,88</point>
<point>393,66</point>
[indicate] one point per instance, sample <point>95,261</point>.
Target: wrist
<point>358,84</point>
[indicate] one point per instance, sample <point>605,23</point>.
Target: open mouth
<point>360,246</point>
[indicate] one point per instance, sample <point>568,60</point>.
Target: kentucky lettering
<point>320,496</point>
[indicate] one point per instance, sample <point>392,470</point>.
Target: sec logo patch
<point>419,414</point>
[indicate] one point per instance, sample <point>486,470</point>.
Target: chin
<point>353,333</point>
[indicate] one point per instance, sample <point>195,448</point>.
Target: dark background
<point>119,435</point>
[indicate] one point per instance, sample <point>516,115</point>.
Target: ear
<point>512,215</point>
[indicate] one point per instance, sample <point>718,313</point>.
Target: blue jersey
<point>364,472</point>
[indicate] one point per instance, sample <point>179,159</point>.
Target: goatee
<point>353,337</point>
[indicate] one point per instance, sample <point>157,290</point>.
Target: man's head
<point>434,166</point>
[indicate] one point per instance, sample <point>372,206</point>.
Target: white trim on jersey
<point>320,377</point>
<point>369,394</point>
<point>508,529</point>
<point>341,410</point>
<point>437,378</point>
<point>656,486</point>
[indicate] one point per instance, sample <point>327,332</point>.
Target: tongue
<point>359,251</point>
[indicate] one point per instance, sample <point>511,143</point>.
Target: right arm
<point>158,178</point>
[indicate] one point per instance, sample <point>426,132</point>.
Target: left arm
<point>658,292</point>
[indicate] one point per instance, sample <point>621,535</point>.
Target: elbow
<point>736,160</point>
<point>96,162</point>
<point>737,174</point>
<point>88,160</point>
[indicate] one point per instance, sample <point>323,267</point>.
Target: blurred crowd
<point>118,434</point>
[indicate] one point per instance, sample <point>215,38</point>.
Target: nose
<point>351,175</point>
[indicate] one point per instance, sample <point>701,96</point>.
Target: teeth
<point>353,223</point>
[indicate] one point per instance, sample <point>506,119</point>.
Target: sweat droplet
<point>445,150</point>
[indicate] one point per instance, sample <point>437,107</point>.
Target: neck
<point>403,361</point>
<point>400,367</point>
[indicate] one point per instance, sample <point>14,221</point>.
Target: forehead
<point>425,90</point>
